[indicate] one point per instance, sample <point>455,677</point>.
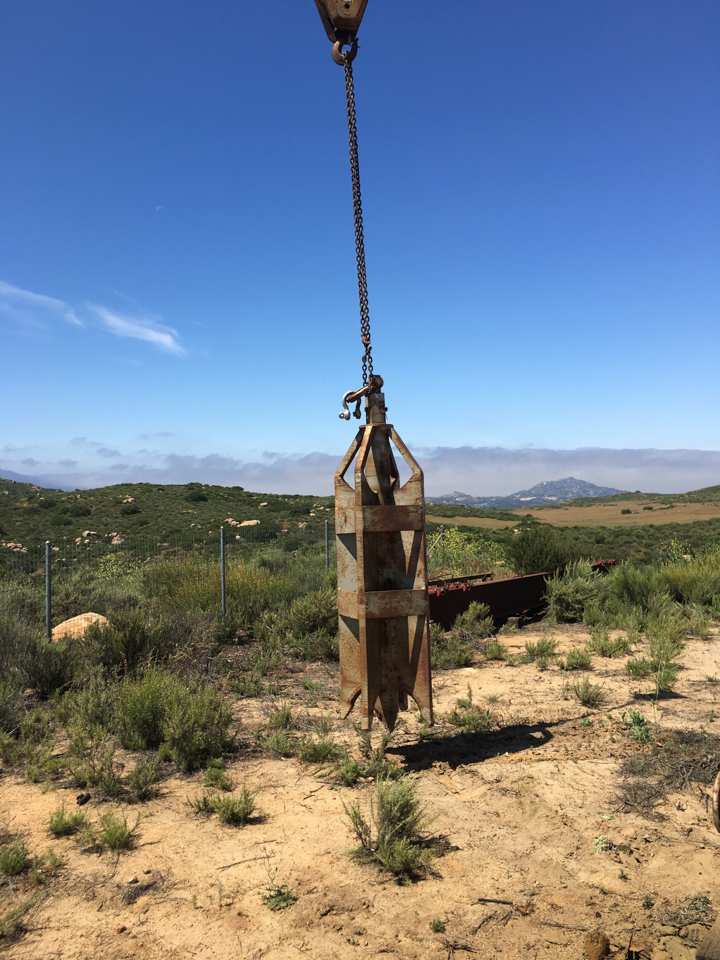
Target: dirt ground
<point>541,850</point>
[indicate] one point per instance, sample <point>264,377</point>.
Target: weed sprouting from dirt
<point>237,809</point>
<point>589,694</point>
<point>540,650</point>
<point>576,659</point>
<point>471,718</point>
<point>601,644</point>
<point>393,836</point>
<point>232,809</point>
<point>279,897</point>
<point>14,859</point>
<point>216,777</point>
<point>638,726</point>
<point>64,824</point>
<point>320,750</point>
<point>115,833</point>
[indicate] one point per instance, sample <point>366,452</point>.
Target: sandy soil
<point>523,809</point>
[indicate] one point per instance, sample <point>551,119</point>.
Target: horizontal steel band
<point>383,604</point>
<point>379,519</point>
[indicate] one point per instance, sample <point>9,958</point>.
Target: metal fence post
<point>223,606</point>
<point>327,544</point>
<point>48,590</point>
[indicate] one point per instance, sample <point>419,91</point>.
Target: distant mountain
<point>48,482</point>
<point>542,494</point>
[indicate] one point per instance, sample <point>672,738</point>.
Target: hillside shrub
<point>571,590</point>
<point>537,548</point>
<point>196,726</point>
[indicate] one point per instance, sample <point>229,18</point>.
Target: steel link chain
<point>365,334</point>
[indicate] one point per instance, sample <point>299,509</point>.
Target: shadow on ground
<point>460,749</point>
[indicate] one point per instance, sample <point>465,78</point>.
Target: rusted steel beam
<point>512,597</point>
<point>382,576</point>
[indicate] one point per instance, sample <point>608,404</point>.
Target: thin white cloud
<point>17,297</point>
<point>138,328</point>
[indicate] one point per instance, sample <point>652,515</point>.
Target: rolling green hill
<point>190,512</point>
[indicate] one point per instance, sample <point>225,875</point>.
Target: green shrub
<point>475,623</point>
<point>11,707</point>
<point>281,717</point>
<point>235,810</point>
<point>115,833</point>
<point>638,726</point>
<point>588,694</point>
<point>215,777</point>
<point>495,650</point>
<point>457,553</point>
<point>639,668</point>
<point>64,824</point>
<point>279,897</point>
<point>601,644</point>
<point>471,718</point>
<point>321,750</point>
<point>569,592</point>
<point>306,629</point>
<point>392,837</point>
<point>577,659</point>
<point>537,548</point>
<point>140,782</point>
<point>196,727</point>
<point>543,649</point>
<point>14,859</point>
<point>449,649</point>
<point>143,707</point>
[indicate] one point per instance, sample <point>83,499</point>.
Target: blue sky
<point>176,260</point>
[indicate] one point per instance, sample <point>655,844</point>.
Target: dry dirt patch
<point>543,850</point>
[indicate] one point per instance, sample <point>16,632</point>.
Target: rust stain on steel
<point>382,576</point>
<point>511,597</point>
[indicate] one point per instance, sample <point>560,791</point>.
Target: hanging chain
<point>365,335</point>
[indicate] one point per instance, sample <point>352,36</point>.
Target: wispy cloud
<point>139,328</point>
<point>16,297</point>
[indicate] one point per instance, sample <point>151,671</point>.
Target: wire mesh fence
<point>41,573</point>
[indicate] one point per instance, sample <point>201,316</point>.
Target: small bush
<point>196,727</point>
<point>235,810</point>
<point>14,859</point>
<point>569,592</point>
<point>141,781</point>
<point>588,694</point>
<point>281,718</point>
<point>601,644</point>
<point>638,726</point>
<point>280,743</point>
<point>215,777</point>
<point>279,897</point>
<point>64,824</point>
<point>640,668</point>
<point>448,649</point>
<point>495,650</point>
<point>10,707</point>
<point>543,649</point>
<point>537,548</point>
<point>577,659</point>
<point>143,707</point>
<point>322,750</point>
<point>115,833</point>
<point>471,718</point>
<point>393,835</point>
